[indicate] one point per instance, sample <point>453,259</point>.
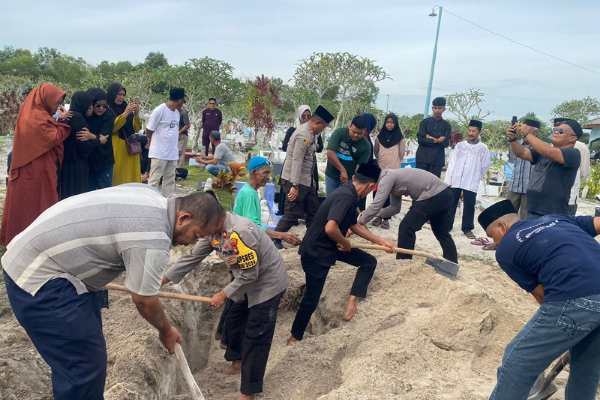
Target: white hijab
<point>301,109</point>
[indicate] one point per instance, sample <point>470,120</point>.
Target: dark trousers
<point>468,215</point>
<point>306,204</point>
<point>435,210</point>
<point>434,169</point>
<point>387,202</point>
<point>249,336</point>
<point>316,274</point>
<point>66,329</point>
<point>206,144</point>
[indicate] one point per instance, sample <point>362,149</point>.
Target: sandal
<point>385,224</point>
<point>481,241</point>
<point>376,221</point>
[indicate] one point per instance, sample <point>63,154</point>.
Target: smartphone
<point>513,121</point>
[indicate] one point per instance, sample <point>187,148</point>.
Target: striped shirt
<point>92,238</point>
<point>520,179</point>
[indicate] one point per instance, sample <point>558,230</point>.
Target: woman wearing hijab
<point>78,147</point>
<point>127,167</point>
<point>389,150</point>
<point>303,115</point>
<point>36,159</point>
<point>102,159</point>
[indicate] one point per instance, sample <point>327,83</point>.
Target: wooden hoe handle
<point>180,296</point>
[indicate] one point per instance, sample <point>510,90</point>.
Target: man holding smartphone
<point>517,188</point>
<point>555,167</point>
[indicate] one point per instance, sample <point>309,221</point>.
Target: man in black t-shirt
<point>433,137</point>
<point>325,243</point>
<point>555,168</point>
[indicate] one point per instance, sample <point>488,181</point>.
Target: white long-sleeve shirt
<point>468,163</point>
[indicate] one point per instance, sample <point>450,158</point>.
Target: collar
<point>171,215</point>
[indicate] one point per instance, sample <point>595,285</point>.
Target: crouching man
<point>325,243</point>
<point>260,280</point>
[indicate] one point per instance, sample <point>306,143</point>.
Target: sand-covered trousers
<point>66,329</point>
<point>556,327</point>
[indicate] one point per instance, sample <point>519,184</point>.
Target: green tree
<point>581,111</point>
<point>410,125</point>
<point>466,106</point>
<point>155,59</point>
<point>351,74</point>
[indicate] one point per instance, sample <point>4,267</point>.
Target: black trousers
<point>468,216</point>
<point>434,169</point>
<point>435,210</point>
<point>316,274</point>
<point>249,336</point>
<point>306,204</point>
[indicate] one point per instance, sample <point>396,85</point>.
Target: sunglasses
<point>105,106</point>
<point>212,104</point>
<point>560,131</point>
<point>305,116</point>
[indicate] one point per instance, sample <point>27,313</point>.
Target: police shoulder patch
<point>246,257</point>
<point>306,142</point>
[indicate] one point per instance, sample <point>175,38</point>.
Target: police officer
<point>297,178</point>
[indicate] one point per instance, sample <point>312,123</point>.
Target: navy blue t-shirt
<point>340,206</point>
<point>557,251</point>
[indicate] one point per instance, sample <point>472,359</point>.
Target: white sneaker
<point>598,197</point>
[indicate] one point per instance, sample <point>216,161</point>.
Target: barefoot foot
<point>351,309</point>
<point>291,340</point>
<point>244,397</point>
<point>234,368</point>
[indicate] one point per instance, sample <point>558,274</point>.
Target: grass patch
<point>482,260</point>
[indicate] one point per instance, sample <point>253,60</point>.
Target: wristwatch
<point>295,186</point>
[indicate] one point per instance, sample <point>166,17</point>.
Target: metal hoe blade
<point>444,267</point>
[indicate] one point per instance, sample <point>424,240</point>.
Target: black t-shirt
<point>429,152</point>
<point>340,206</point>
<point>550,183</point>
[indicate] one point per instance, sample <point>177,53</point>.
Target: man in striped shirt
<point>517,188</point>
<point>55,269</point>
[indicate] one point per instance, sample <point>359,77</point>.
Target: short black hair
<point>212,98</point>
<point>360,178</point>
<point>359,121</point>
<point>203,207</point>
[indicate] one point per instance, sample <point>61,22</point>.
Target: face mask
<point>55,116</point>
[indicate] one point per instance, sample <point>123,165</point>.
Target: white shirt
<point>165,125</point>
<point>582,173</point>
<point>468,164</point>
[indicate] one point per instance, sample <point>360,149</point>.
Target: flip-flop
<point>489,247</point>
<point>482,241</point>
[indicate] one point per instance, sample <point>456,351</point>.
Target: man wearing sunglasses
<point>555,168</point>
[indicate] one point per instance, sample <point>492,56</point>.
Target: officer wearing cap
<point>555,167</point>
<point>555,258</point>
<point>297,175</point>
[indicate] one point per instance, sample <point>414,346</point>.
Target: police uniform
<point>260,280</point>
<point>298,169</point>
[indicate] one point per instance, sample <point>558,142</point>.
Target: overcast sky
<point>270,37</point>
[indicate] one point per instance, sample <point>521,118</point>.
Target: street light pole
<point>387,104</point>
<point>437,34</point>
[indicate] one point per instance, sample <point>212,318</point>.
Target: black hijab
<point>94,121</point>
<point>80,102</point>
<point>113,90</point>
<point>389,138</point>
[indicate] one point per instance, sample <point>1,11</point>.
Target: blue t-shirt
<point>557,251</point>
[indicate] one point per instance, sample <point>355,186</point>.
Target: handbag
<point>133,147</point>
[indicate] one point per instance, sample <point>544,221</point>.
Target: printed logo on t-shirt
<point>246,257</point>
<point>173,123</point>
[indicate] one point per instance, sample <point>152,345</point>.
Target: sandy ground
<point>418,335</point>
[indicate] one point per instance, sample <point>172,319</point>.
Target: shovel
<point>442,266</point>
<point>544,386</point>
<point>180,296</point>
